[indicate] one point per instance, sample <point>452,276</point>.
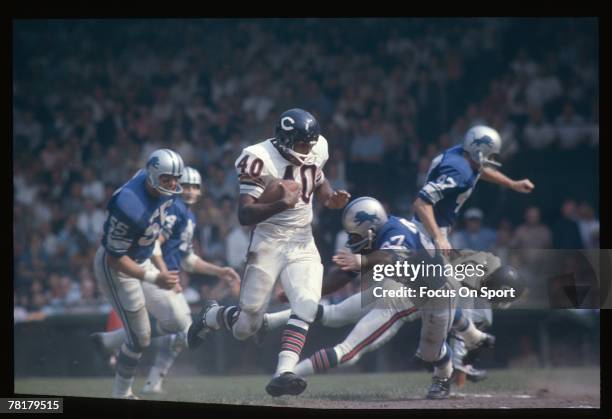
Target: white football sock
<point>286,362</point>
<point>211,317</point>
<point>122,386</point>
<point>278,319</point>
<point>304,368</point>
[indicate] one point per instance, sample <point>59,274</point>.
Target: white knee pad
<point>247,325</point>
<point>306,309</point>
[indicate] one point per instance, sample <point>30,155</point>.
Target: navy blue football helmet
<point>296,126</point>
<point>506,277</point>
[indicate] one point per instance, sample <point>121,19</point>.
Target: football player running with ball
<point>278,179</point>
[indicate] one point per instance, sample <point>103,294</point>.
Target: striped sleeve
<point>251,173</point>
<point>448,183</point>
<point>251,186</point>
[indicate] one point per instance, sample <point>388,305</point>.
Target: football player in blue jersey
<point>178,254</point>
<point>123,267</point>
<point>370,229</point>
<point>450,181</point>
<point>174,252</point>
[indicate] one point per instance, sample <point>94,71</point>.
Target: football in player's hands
<point>279,189</point>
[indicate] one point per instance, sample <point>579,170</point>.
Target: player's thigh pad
<point>264,263</point>
<point>127,298</point>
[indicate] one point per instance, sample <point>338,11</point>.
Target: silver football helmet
<point>191,177</point>
<point>164,162</point>
<point>481,142</point>
<point>362,218</point>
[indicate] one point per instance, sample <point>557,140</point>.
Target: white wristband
<point>150,276</point>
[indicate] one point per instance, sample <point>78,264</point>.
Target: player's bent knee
<point>143,341</point>
<point>306,309</point>
<point>246,325</point>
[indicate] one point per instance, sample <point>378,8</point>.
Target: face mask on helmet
<point>359,244</point>
<point>164,162</point>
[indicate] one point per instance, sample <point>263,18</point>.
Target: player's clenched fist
<point>338,200</point>
<point>167,280</point>
<point>523,186</point>
<point>228,274</point>
<point>347,261</point>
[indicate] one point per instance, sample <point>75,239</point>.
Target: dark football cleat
<point>286,383</point>
<point>440,388</point>
<point>198,331</point>
<point>473,374</point>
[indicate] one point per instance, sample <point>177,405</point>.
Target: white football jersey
<point>261,163</point>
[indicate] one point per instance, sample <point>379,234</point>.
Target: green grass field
<point>559,387</point>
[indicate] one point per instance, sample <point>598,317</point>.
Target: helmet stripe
<point>171,158</point>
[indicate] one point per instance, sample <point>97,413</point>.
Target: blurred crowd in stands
<point>91,100</point>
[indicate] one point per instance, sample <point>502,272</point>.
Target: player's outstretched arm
<point>194,263</point>
<point>495,176</point>
<point>251,212</point>
<point>330,198</point>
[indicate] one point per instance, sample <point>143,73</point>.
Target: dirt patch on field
<point>456,401</point>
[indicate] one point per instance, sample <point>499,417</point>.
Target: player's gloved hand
<point>347,261</point>
<point>167,280</point>
<point>338,200</point>
<point>523,186</point>
<point>443,245</point>
<point>229,275</point>
<point>291,197</point>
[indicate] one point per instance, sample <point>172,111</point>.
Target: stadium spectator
<point>474,236</point>
<point>588,225</point>
<point>387,102</point>
<point>566,234</point>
